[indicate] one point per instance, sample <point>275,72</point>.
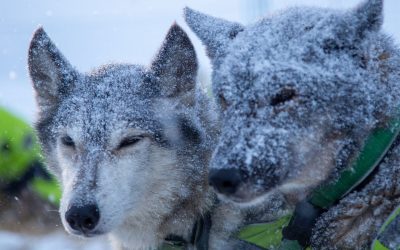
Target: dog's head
<point>298,92</point>
<point>114,137</point>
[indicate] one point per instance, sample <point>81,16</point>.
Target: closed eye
<point>67,141</point>
<point>129,141</point>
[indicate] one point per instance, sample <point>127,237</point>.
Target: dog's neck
<point>182,219</point>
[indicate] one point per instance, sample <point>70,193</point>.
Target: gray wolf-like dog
<point>298,93</point>
<point>126,142</point>
<point>131,147</point>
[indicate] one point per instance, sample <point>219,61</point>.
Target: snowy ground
<point>54,241</point>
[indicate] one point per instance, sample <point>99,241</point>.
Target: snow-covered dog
<point>299,92</point>
<point>131,147</point>
<point>126,142</point>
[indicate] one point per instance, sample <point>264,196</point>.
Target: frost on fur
<point>215,33</point>
<point>175,66</point>
<point>105,134</point>
<point>51,73</point>
<point>305,77</point>
<point>298,93</point>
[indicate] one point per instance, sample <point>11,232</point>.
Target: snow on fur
<point>299,92</point>
<point>157,187</point>
<point>143,193</point>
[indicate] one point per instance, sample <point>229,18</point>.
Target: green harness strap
<point>269,235</point>
<point>374,150</point>
<point>388,236</point>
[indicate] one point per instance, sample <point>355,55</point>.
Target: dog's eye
<point>129,141</point>
<point>67,141</point>
<point>284,95</point>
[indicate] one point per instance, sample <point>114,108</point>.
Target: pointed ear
<point>215,33</point>
<point>51,73</point>
<point>175,65</point>
<point>368,16</point>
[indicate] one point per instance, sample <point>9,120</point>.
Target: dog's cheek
<point>53,165</point>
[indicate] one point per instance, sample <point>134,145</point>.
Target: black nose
<point>225,181</point>
<point>83,218</point>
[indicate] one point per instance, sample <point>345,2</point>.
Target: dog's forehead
<point>110,98</point>
<point>281,51</point>
<point>116,81</point>
<point>281,34</point>
<point>265,60</point>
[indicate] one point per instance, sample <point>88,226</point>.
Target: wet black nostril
<point>225,181</point>
<point>89,223</point>
<point>72,223</point>
<point>227,184</point>
<point>83,218</point>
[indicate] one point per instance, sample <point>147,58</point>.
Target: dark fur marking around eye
<point>283,95</point>
<point>67,141</point>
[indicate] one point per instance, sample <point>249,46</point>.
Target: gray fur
<point>155,187</point>
<point>298,93</point>
<point>355,221</point>
<point>97,110</point>
<point>218,32</point>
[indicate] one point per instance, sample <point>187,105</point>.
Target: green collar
<point>375,148</point>
<point>297,228</point>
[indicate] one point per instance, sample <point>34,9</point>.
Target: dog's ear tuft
<point>368,16</point>
<point>50,72</point>
<point>175,65</point>
<point>215,33</point>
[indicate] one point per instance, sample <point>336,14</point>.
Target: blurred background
<point>91,33</point>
